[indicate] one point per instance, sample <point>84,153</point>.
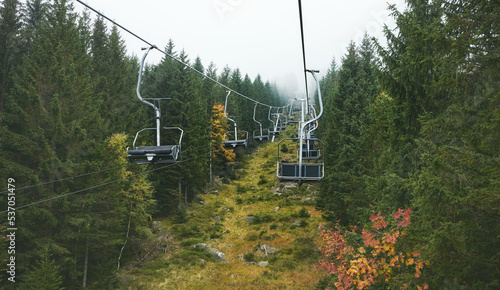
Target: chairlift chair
<point>311,161</point>
<point>234,142</point>
<point>258,135</point>
<point>159,153</point>
<point>274,130</point>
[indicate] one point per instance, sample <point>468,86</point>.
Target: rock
<point>291,186</point>
<point>215,192</point>
<point>263,264</point>
<point>156,225</point>
<point>217,219</point>
<point>218,255</point>
<point>225,209</point>
<point>268,250</point>
<point>277,208</point>
<point>249,219</point>
<point>298,224</point>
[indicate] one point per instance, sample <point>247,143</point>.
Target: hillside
<point>238,219</point>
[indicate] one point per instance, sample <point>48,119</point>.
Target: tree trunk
<point>126,238</point>
<point>85,266</point>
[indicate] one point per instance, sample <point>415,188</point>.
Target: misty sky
<point>256,36</point>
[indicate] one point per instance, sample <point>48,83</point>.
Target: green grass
<point>248,192</point>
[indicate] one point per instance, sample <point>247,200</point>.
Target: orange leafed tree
<point>359,266</point>
<point>219,128</point>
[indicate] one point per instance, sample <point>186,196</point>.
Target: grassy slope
<point>294,267</point>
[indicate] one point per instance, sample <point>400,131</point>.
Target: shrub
<point>252,236</point>
<point>262,180</point>
<point>345,256</point>
<point>270,275</point>
<point>184,231</point>
<point>191,241</point>
<point>192,256</point>
<point>249,257</point>
<point>302,213</point>
<point>305,249</point>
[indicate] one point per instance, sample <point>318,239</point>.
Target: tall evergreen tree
<point>343,196</point>
<point>10,25</point>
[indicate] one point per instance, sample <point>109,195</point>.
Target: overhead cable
<point>87,174</point>
<point>303,52</point>
<point>102,184</point>
<point>175,58</point>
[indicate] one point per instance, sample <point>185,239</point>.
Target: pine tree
<point>44,275</point>
<point>10,25</point>
<point>343,196</point>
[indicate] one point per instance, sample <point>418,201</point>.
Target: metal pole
<point>157,110</point>
<point>225,115</point>
<point>260,124</point>
<point>304,125</point>
<point>301,138</point>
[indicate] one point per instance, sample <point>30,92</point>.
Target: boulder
<point>156,225</point>
<point>217,219</point>
<point>218,255</point>
<point>263,264</point>
<point>268,250</point>
<point>249,219</point>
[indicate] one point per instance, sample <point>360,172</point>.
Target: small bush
<point>191,241</point>
<point>249,257</point>
<point>305,249</point>
<point>285,264</point>
<point>262,218</point>
<point>184,231</point>
<point>302,213</point>
<point>192,256</point>
<point>273,226</point>
<point>216,231</point>
<point>241,188</point>
<point>262,180</point>
<point>270,275</point>
<point>252,236</point>
<point>284,148</point>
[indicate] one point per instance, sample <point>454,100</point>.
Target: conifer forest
<point>410,196</point>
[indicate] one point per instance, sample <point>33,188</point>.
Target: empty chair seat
<point>235,143</point>
<point>162,150</point>
<point>261,138</point>
<point>311,172</point>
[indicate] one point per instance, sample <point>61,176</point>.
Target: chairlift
<point>283,119</point>
<point>274,130</point>
<point>258,135</point>
<point>235,142</point>
<point>166,153</point>
<point>311,160</point>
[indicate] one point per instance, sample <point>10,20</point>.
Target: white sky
<point>256,36</point>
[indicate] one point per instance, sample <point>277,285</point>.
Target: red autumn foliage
<point>377,261</point>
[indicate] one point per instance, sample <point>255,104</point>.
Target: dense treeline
<point>416,125</point>
<point>68,107</point>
